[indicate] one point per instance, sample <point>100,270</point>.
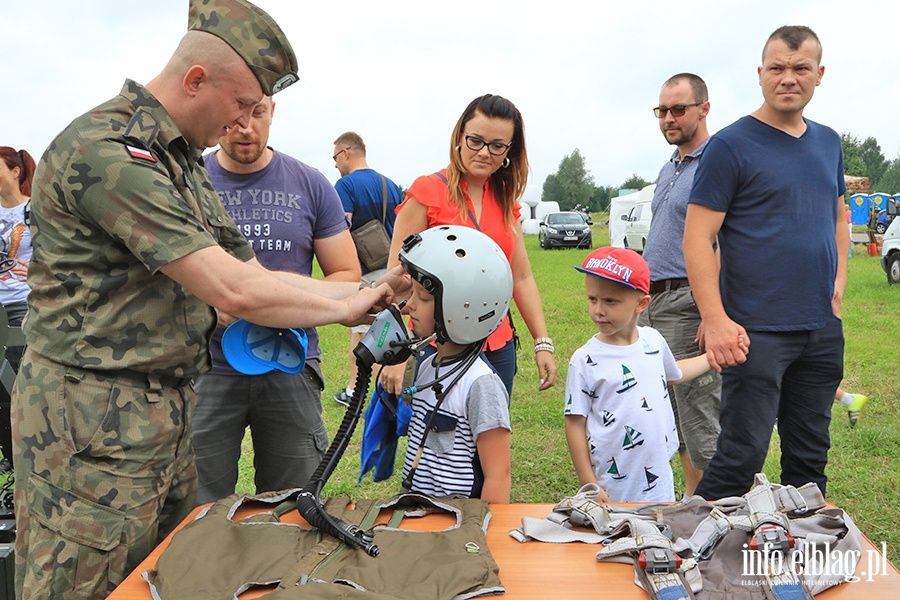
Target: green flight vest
<point>216,557</point>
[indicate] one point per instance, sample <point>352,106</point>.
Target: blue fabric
<point>361,194</point>
<point>789,591</point>
<point>503,361</point>
<point>675,592</point>
<point>777,241</point>
<point>383,429</point>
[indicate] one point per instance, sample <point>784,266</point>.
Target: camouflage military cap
<point>253,34</point>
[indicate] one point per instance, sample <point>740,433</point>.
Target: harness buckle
<point>772,538</point>
<point>658,561</point>
<point>801,506</point>
<point>722,527</point>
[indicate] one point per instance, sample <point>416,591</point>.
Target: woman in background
<point>481,188</point>
<point>16,174</point>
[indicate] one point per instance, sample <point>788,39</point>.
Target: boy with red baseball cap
<point>619,422</point>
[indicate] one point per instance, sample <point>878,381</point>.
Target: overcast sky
<point>584,74</point>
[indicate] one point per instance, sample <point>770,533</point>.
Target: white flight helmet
<point>468,275</point>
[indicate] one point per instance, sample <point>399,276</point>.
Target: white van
<point>890,248</point>
<point>638,220</point>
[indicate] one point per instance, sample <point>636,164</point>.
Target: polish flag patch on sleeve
<point>140,153</point>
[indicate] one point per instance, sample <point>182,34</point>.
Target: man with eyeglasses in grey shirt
<point>682,111</point>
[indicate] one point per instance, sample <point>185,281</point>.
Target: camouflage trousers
<point>104,471</point>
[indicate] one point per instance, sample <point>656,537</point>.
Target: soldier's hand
<point>364,302</point>
<point>400,283</point>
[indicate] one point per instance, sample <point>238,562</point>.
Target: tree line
<point>573,184</point>
<point>865,159</point>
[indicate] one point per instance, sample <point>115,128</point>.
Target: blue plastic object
<point>254,349</point>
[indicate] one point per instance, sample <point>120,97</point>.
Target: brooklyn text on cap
<point>253,34</point>
<point>620,265</point>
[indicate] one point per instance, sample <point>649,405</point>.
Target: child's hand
<point>602,496</point>
<point>743,344</point>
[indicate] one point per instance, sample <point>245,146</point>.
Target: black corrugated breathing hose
<point>308,502</point>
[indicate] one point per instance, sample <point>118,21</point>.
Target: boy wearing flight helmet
<point>459,432</point>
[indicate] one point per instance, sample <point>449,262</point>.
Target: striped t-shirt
<point>478,402</point>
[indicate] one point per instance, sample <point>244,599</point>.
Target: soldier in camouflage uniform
<point>131,248</point>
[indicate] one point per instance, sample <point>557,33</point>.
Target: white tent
<point>619,207</point>
<point>531,226</point>
<point>545,208</point>
<point>527,207</point>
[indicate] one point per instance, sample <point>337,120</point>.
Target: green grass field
<point>864,461</point>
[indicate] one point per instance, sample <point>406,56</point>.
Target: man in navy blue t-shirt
<point>770,189</point>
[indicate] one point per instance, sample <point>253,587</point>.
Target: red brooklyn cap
<point>620,265</point>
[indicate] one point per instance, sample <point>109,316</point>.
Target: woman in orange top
<point>480,189</point>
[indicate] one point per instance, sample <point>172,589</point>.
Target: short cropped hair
<point>794,36</point>
<point>698,86</point>
<point>351,139</point>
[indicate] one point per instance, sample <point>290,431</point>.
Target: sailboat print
<point>651,479</point>
<point>590,394</point>
<point>628,380</point>
<point>632,439</point>
<point>614,470</point>
<point>644,404</point>
<point>608,418</point>
<point>590,361</point>
<point>649,350</point>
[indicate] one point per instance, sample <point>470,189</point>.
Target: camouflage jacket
<point>118,195</point>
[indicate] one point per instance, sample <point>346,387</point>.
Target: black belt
<point>664,285</point>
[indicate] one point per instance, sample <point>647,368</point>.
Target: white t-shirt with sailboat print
<point>631,428</point>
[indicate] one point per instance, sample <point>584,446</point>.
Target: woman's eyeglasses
<point>496,148</point>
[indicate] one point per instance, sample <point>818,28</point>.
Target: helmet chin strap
<point>417,344</point>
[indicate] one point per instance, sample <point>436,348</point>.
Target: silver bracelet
<point>546,347</point>
<point>543,340</point>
